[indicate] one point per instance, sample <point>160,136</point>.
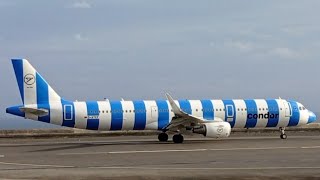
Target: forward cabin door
<point>287,109</point>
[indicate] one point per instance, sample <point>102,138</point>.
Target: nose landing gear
<point>283,134</point>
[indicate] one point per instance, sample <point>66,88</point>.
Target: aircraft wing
<point>183,119</point>
<point>35,111</point>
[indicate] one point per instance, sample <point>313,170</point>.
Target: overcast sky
<point>140,49</point>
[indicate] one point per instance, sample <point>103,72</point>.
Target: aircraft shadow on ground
<point>78,145</point>
<point>68,146</point>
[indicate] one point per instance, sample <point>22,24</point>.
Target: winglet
<point>175,107</point>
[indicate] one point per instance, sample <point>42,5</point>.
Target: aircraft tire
<point>283,136</point>
<point>163,137</point>
<point>177,138</point>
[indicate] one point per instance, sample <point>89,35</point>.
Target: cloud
<point>284,53</point>
<point>242,46</point>
<point>296,30</point>
<point>80,37</point>
<point>81,5</point>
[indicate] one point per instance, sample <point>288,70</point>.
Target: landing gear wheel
<point>283,136</point>
<point>163,137</point>
<point>177,138</point>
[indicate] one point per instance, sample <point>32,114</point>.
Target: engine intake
<point>214,129</point>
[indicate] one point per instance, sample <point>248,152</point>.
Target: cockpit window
<point>302,108</point>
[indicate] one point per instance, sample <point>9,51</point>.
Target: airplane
<point>211,118</point>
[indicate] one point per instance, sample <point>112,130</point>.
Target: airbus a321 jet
<point>212,118</point>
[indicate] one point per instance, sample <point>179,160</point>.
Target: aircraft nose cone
<point>312,117</point>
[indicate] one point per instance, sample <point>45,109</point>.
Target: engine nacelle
<point>214,129</point>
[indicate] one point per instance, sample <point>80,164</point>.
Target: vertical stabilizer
<point>33,88</point>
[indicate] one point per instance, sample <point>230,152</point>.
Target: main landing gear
<point>177,138</point>
<point>283,134</point>
<point>163,137</point>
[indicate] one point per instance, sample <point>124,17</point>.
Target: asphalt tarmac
<point>143,157</point>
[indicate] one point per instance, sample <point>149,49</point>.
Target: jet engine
<point>214,129</point>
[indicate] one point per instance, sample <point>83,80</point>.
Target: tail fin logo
<point>29,79</point>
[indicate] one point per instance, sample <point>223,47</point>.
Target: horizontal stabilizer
<point>35,111</point>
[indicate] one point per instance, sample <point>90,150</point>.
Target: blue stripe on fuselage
<point>18,69</point>
<point>93,115</point>
<point>207,107</point>
<point>69,114</point>
<point>251,109</point>
<point>163,114</point>
<point>116,115</point>
<point>294,119</point>
<point>230,102</point>
<point>273,109</point>
<point>185,106</point>
<point>43,97</point>
<point>140,117</point>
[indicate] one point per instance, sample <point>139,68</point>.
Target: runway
<point>137,157</point>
